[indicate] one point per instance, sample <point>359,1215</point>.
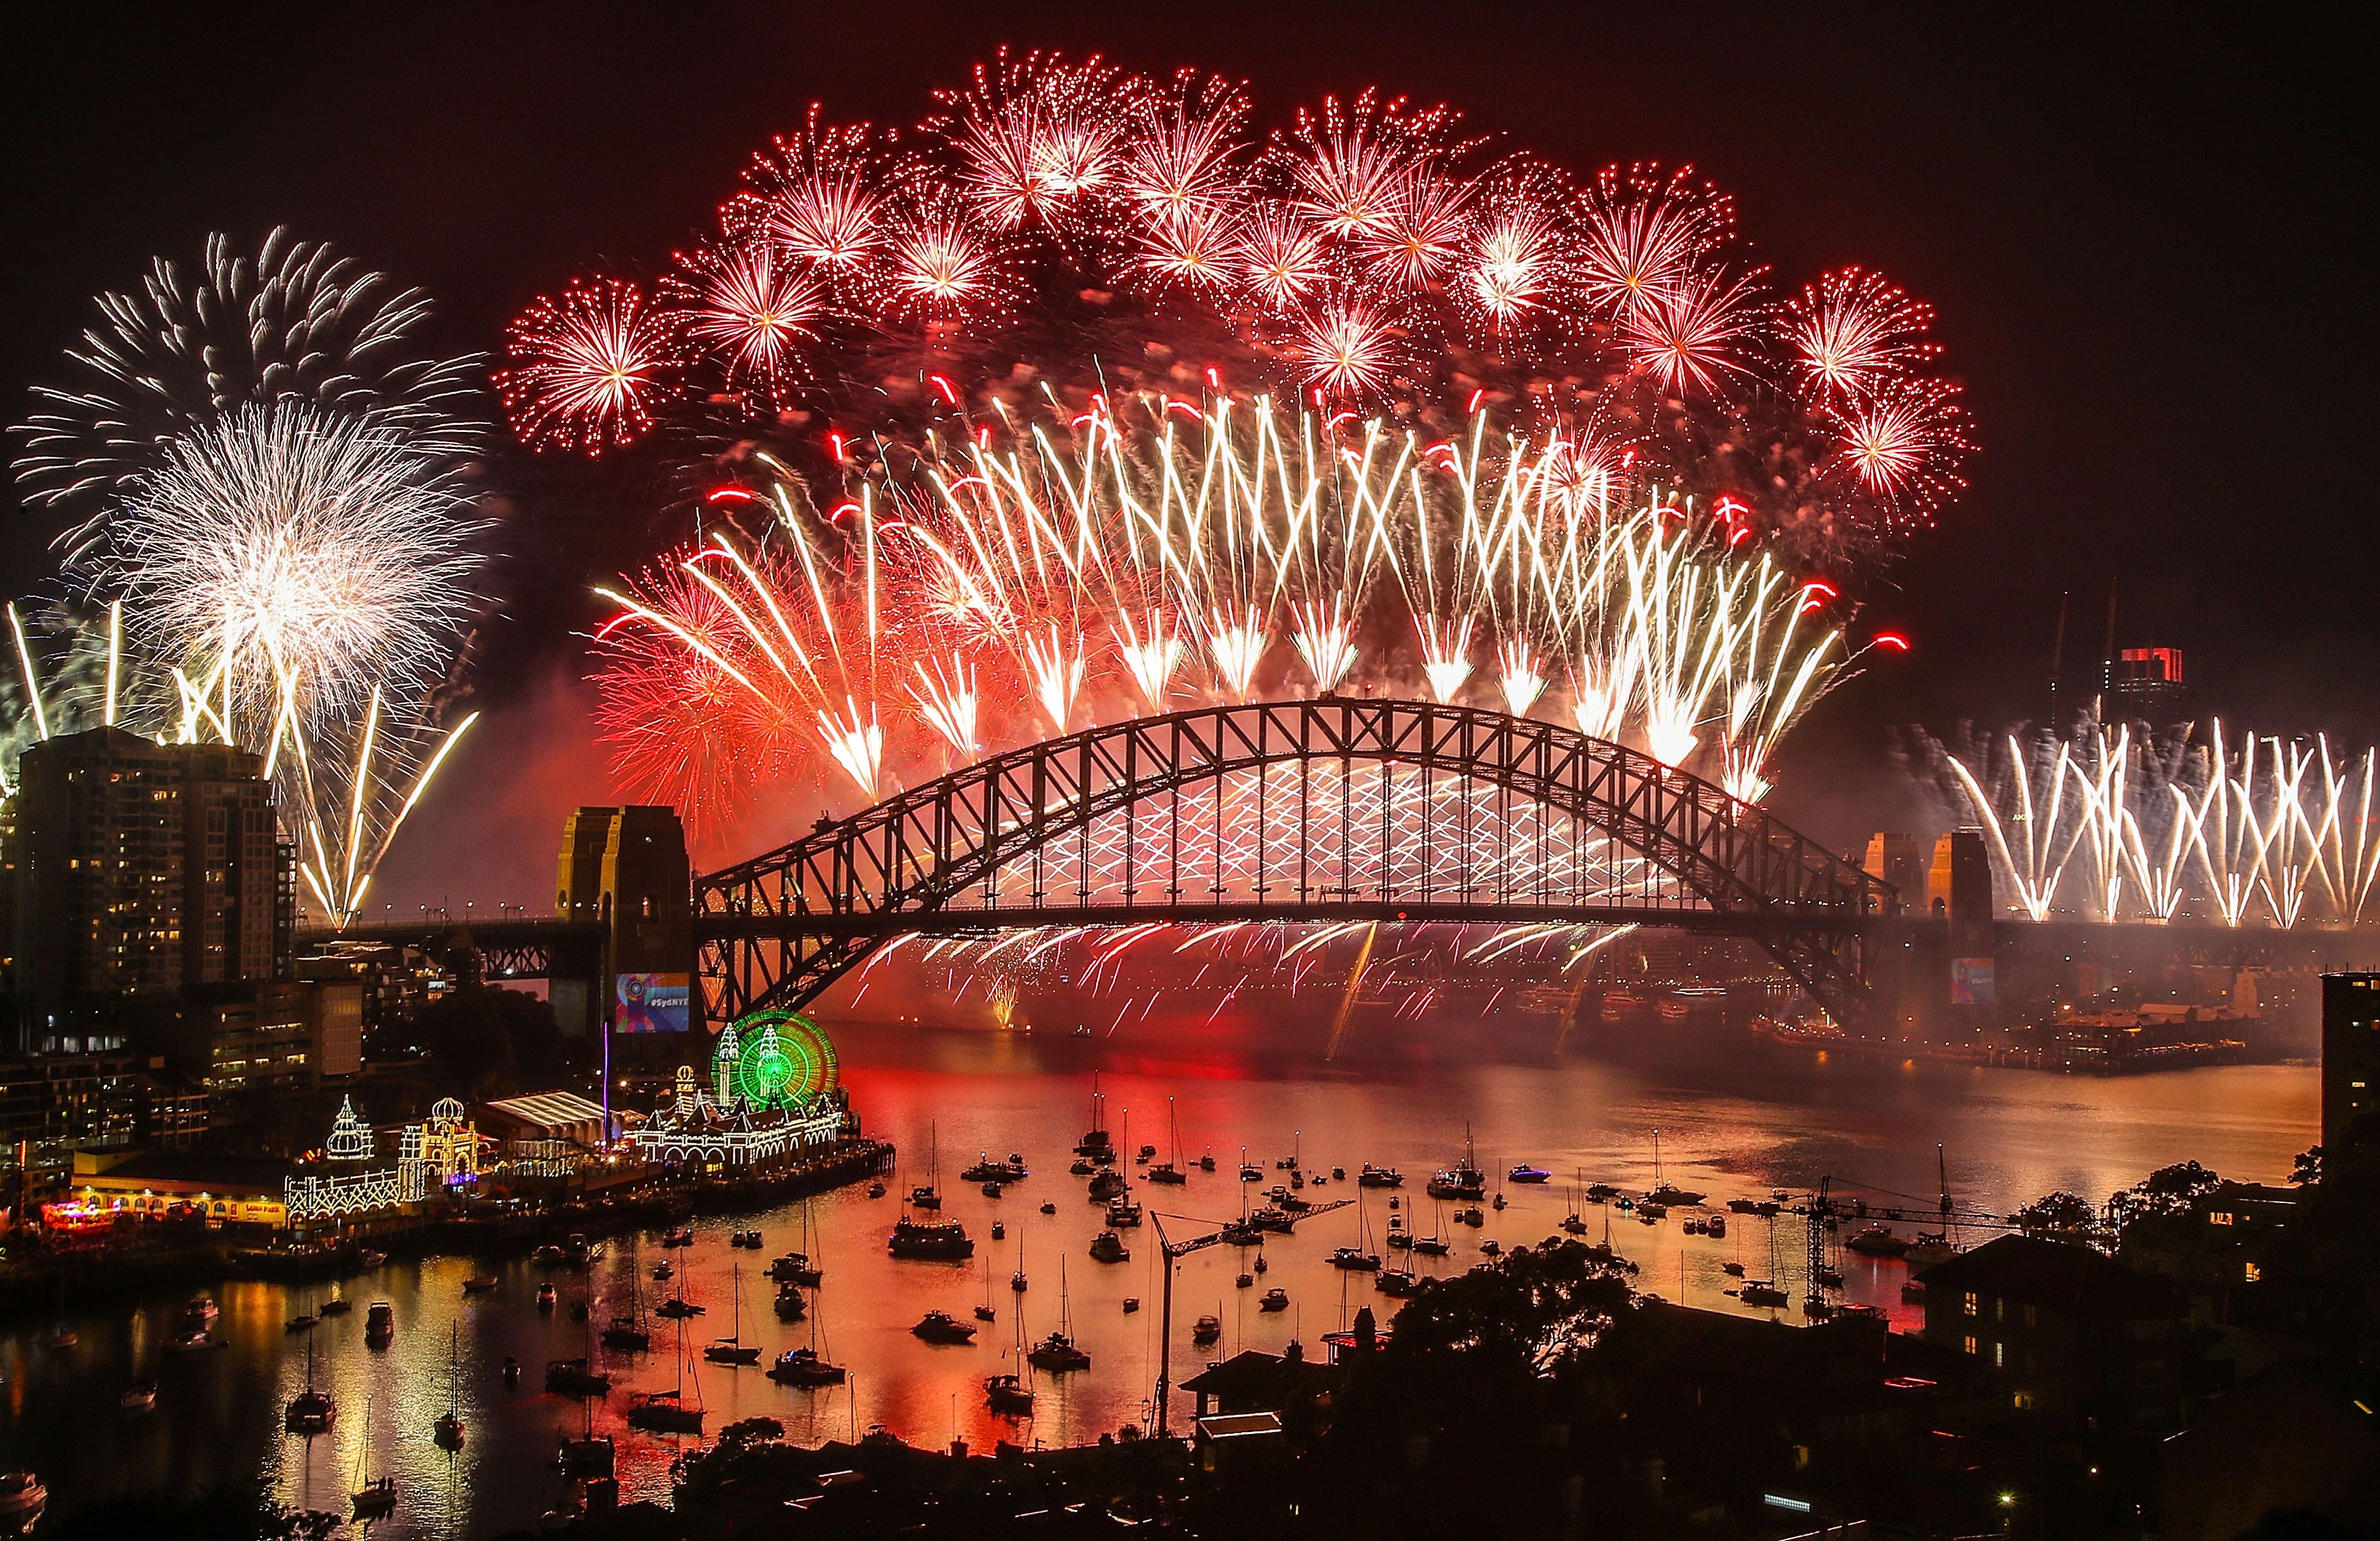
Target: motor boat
<point>986,1169</point>
<point>931,1240</point>
<point>1108,1247</point>
<point>1008,1395</point>
<point>1877,1240</point>
<point>1274,1299</point>
<point>1527,1174</point>
<point>941,1327</point>
<point>802,1366</point>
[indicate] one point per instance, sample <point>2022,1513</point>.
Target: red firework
<point>1644,234</point>
<point>1692,333</point>
<point>1852,332</point>
<point>750,301</point>
<point>820,196</point>
<point>586,364</point>
<point>1904,443</point>
<point>1367,249</point>
<point>940,265</point>
<point>1345,348</point>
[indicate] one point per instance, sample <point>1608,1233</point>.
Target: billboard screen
<point>1971,983</point>
<point>650,1002</point>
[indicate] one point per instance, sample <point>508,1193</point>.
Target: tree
<point>2164,1194</point>
<point>1537,1306</point>
<point>2060,1214</point>
<point>2307,1170</point>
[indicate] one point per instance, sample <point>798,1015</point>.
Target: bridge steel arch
<point>778,930</point>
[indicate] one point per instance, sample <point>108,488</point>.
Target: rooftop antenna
<point>2058,654</point>
<point>2107,654</point>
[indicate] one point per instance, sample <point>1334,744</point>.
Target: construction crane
<point>1823,1209</point>
<point>1174,1251</point>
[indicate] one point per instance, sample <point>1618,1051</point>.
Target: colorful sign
<point>650,1002</point>
<point>1971,983</point>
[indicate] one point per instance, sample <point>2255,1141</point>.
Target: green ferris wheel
<point>780,1059</point>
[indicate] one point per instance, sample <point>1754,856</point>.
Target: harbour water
<point>1730,1125</point>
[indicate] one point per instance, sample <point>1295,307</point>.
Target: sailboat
<point>731,1350</point>
<point>1433,1244</point>
<point>592,1454</point>
<point>1358,1257</point>
<point>1764,1291</point>
<point>310,1411</point>
<point>930,1197</point>
<point>629,1332</point>
<point>806,1366</point>
<point>1095,1145</point>
<point>1057,1353</point>
<point>373,1497</point>
<point>678,1306</point>
<point>666,1411</point>
<point>1010,1393</point>
<point>800,1268</point>
<point>984,1313</point>
<point>1462,1182</point>
<point>1170,1169</point>
<point>1665,1193</point>
<point>448,1430</point>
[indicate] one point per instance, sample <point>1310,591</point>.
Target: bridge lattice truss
<point>1335,810</point>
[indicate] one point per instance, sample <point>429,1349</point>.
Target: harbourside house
<point>2075,1338</point>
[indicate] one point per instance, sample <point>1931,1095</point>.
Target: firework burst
<point>1054,210</point>
<point>587,367</point>
<point>291,321</point>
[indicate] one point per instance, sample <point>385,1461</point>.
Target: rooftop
<point>2059,1276</point>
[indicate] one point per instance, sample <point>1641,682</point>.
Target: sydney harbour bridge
<point>1296,811</point>
<point>1331,810</point>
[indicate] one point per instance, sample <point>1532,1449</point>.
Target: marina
<point>849,1360</point>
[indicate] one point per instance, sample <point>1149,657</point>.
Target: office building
<point>136,871</point>
<point>2145,685</point>
<point>2351,1070</point>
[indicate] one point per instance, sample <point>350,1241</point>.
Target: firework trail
<point>2131,825</point>
<point>291,322</point>
<point>343,795</point>
<point>1366,251</point>
<point>1151,555</point>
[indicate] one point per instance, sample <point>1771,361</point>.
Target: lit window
<point>1969,1344</point>
<point>1999,1357</point>
<point>2032,1316</point>
<point>1974,1303</point>
<point>2254,1273</point>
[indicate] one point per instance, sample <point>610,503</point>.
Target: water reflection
<point>1729,1127</point>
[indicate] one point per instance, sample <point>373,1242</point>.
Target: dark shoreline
<point>28,1288</point>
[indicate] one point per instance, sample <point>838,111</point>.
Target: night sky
<point>2143,236</point>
